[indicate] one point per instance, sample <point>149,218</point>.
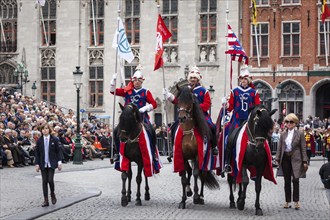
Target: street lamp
<point>21,71</point>
<point>77,156</point>
<point>34,88</point>
<point>186,71</point>
<point>211,91</point>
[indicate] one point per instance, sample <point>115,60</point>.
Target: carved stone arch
<point>7,69</point>
<point>181,83</point>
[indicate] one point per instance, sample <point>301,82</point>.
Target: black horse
<point>190,117</point>
<point>258,128</point>
<point>128,131</point>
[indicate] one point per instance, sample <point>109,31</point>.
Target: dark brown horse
<point>128,131</point>
<point>258,128</point>
<point>190,117</point>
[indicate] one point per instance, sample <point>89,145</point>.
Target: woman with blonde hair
<point>292,158</point>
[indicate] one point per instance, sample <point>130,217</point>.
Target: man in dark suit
<point>48,158</point>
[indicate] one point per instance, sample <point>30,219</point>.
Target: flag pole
<point>325,43</point>
<point>93,14</point>
<point>3,33</point>
<point>224,94</point>
<point>165,101</point>
<point>43,24</point>
<point>114,93</point>
<point>257,44</point>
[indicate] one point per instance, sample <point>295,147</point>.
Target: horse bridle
<point>127,139</point>
<point>188,114</point>
<point>255,140</point>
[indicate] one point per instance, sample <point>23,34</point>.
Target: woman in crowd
<point>291,156</point>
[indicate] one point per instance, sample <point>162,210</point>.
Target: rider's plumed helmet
<point>194,72</point>
<point>245,73</point>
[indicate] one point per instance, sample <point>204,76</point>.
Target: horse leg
<point>242,194</point>
<point>230,181</point>
<point>184,181</point>
<point>146,194</point>
<point>258,190</point>
<point>201,194</point>
<point>129,188</point>
<point>138,182</point>
<point>188,188</point>
<point>197,198</point>
<point>124,201</point>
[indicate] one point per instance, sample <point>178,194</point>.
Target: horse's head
<point>186,101</point>
<point>129,120</point>
<point>260,123</point>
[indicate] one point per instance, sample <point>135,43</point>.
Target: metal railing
<point>163,147</point>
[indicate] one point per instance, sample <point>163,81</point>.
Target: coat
<point>55,154</point>
<point>299,155</point>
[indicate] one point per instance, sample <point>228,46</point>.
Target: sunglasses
<point>291,122</point>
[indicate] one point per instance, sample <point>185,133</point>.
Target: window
<point>48,87</point>
<point>291,1</point>
<point>132,21</point>
<point>96,86</point>
<point>291,39</point>
<point>321,36</point>
<point>129,71</point>
<point>48,75</point>
<point>96,22</point>
<point>263,36</point>
<point>291,100</point>
<point>170,17</point>
<point>48,27</point>
<point>262,2</point>
<point>208,21</point>
<point>8,26</point>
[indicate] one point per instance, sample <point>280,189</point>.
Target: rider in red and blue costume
<point>242,99</point>
<point>135,93</point>
<point>204,99</point>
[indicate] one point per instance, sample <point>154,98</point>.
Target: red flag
<point>162,35</point>
<point>325,11</point>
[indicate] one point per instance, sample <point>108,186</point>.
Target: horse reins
<point>255,139</point>
<point>136,139</point>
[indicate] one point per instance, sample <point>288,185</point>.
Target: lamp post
<point>77,156</point>
<point>278,90</point>
<point>34,88</point>
<point>211,91</point>
<point>21,71</point>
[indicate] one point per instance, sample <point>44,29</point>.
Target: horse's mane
<point>129,118</point>
<point>265,122</point>
<point>186,96</point>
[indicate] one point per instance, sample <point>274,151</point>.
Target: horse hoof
<point>199,201</point>
<point>138,202</point>
<point>232,205</point>
<point>147,196</point>
<point>240,205</point>
<point>129,199</point>
<point>182,205</point>
<point>259,212</point>
<point>124,201</point>
<point>189,193</point>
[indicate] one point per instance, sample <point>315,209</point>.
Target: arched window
<point>291,99</point>
<point>265,94</point>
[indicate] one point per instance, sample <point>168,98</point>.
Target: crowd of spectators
<point>20,119</point>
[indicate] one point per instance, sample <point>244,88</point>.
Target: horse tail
<point>210,180</point>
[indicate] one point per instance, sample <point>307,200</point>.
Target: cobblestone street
<point>93,191</point>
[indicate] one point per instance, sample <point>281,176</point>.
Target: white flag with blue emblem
<point>41,2</point>
<point>124,49</point>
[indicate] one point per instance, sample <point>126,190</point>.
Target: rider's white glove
<point>224,100</point>
<point>146,108</point>
<point>113,82</point>
<point>169,96</point>
<point>114,78</point>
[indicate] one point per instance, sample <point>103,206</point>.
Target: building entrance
<point>323,101</point>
